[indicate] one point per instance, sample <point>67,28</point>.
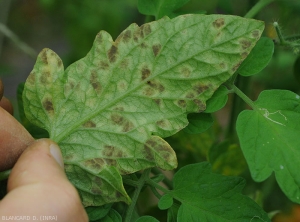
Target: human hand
<point>37,186</point>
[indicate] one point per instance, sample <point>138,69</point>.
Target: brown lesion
<point>199,88</point>
<point>112,53</point>
<point>201,106</point>
<point>145,72</point>
<point>121,121</point>
<point>156,49</point>
<point>255,33</point>
<point>156,86</point>
<point>89,124</point>
<point>95,82</point>
<point>181,103</point>
<point>146,28</point>
<point>44,56</point>
<point>48,105</point>
<point>245,43</point>
<point>218,23</point>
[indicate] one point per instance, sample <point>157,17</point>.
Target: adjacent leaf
<point>206,196</point>
<point>147,219</point>
<point>97,213</point>
<point>112,216</point>
<point>297,69</point>
<point>269,137</point>
<point>172,212</point>
<point>217,101</point>
<point>160,8</point>
<point>227,158</point>
<point>109,110</point>
<point>165,202</point>
<point>198,123</point>
<point>258,58</point>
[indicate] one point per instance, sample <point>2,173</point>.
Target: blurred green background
<point>69,27</point>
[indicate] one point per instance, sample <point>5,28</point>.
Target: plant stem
<point>13,37</point>
<point>144,177</point>
<point>257,8</point>
<point>4,175</point>
<point>245,98</point>
<point>166,181</point>
<point>279,34</point>
<point>157,186</point>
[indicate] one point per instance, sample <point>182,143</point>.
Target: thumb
<point>38,186</point>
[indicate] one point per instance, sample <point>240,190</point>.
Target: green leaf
<point>35,131</point>
<point>217,101</point>
<point>160,8</point>
<point>97,213</point>
<point>269,137</point>
<point>198,123</point>
<point>173,212</point>
<point>258,58</point>
<point>206,196</point>
<point>109,110</point>
<point>297,69</point>
<point>165,202</point>
<point>112,216</point>
<point>227,158</point>
<point>147,219</point>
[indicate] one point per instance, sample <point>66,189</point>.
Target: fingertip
<point>6,104</point>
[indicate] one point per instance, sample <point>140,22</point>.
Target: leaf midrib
<point>97,111</point>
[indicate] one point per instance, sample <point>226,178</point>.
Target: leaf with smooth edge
<point>198,123</point>
<point>217,101</point>
<point>97,213</point>
<point>206,196</point>
<point>269,138</point>
<point>147,219</point>
<point>160,8</point>
<point>109,110</point>
<point>165,202</point>
<point>258,58</point>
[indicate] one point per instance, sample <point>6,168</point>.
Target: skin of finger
<point>14,139</point>
<point>38,187</point>
<point>6,104</point>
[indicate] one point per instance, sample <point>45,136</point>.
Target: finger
<point>14,139</point>
<point>6,104</point>
<point>39,187</point>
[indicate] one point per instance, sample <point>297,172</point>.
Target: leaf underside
<point>109,111</point>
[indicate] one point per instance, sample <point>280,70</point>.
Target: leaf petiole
<point>257,8</point>
<point>245,98</point>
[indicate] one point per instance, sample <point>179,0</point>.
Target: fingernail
<point>55,152</point>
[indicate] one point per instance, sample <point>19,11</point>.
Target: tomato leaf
<point>109,110</point>
<point>269,139</point>
<point>206,196</point>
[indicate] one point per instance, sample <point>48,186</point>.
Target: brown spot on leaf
<point>200,88</point>
<point>162,123</point>
<point>147,152</point>
<point>31,78</point>
<point>103,65</point>
<point>143,45</point>
<point>108,151</point>
<point>156,86</point>
<point>181,103</point>
<point>44,57</point>
<point>244,55</point>
<point>146,29</point>
<point>124,64</point>
<point>245,43</point>
<point>185,71</point>
<point>44,77</point>
<point>200,104</point>
<point>236,66</point>
<point>111,162</point>
<point>117,119</point>
<point>157,101</point>
<point>145,72</point>
<point>222,65</point>
<point>148,91</point>
<point>190,95</point>
<point>59,63</point>
<point>96,191</point>
<point>112,54</point>
<point>255,33</point>
<point>99,37</point>
<point>89,124</point>
<point>48,105</point>
<point>138,34</point>
<point>127,36</point>
<point>119,108</point>
<point>156,49</point>
<point>127,126</point>
<point>95,82</point>
<point>218,23</point>
<point>95,164</point>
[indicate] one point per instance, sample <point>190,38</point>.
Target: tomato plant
<point>118,112</point>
